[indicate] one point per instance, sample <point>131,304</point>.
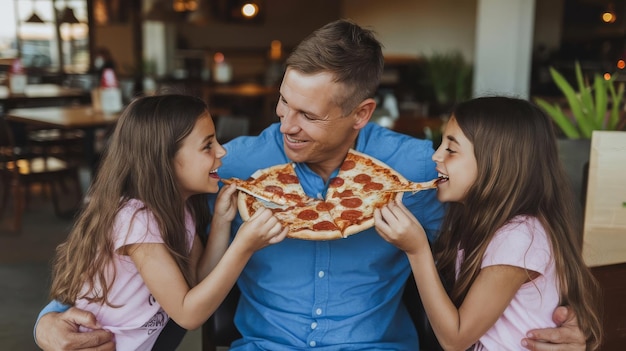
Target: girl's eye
<point>207,146</point>
<point>450,150</point>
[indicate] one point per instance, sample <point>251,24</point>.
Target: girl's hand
<point>261,230</point>
<point>226,203</point>
<point>397,225</point>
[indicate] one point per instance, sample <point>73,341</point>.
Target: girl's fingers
<point>278,238</point>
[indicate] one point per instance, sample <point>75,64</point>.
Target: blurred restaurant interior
<point>54,55</point>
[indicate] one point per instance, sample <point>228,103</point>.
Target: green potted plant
<point>597,106</point>
<point>451,78</point>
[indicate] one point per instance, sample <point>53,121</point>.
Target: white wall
<point>502,58</point>
<point>418,28</point>
<point>503,47</point>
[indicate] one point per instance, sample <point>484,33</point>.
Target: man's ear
<point>363,113</point>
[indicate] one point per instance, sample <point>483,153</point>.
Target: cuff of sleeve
<point>53,306</point>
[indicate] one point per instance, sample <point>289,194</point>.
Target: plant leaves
<point>600,87</point>
<point>584,91</point>
<point>584,126</point>
<point>616,98</point>
<point>564,122</point>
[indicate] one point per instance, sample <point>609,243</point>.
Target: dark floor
<point>24,270</point>
<point>25,273</point>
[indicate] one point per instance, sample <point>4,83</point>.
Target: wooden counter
<point>605,230</point>
<point>612,279</point>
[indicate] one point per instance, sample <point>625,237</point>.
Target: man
<point>327,295</point>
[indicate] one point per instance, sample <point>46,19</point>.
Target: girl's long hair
<point>137,164</point>
<point>519,173</point>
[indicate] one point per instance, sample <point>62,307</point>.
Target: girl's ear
<point>363,113</point>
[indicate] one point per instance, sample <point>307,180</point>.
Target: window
<point>58,43</point>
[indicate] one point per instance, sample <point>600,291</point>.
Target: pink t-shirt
<point>140,318</point>
<point>522,243</point>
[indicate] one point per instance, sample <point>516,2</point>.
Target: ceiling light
<point>67,16</point>
<point>34,18</point>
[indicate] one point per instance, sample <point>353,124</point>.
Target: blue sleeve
<point>53,306</point>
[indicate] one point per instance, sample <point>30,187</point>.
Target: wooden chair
<point>66,144</point>
<point>20,169</point>
<point>220,330</point>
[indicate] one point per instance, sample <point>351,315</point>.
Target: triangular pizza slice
<point>278,184</point>
<point>366,174</point>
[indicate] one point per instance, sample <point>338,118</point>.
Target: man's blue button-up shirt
<point>331,295</point>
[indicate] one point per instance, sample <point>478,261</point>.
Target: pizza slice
<point>311,221</point>
<point>278,184</point>
<point>416,186</point>
<point>366,174</point>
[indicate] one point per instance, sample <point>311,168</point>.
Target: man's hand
<point>59,331</point>
<point>567,336</point>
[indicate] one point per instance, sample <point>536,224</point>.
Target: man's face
<point>315,131</point>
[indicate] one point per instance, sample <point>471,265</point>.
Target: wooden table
<point>43,95</point>
<point>67,117</point>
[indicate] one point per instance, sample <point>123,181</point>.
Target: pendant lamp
<point>34,17</point>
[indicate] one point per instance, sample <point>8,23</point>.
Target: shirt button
<point>318,311</point>
<point>312,343</point>
<point>321,274</point>
<point>313,325</point>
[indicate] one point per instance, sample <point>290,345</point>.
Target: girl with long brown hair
<point>133,257</point>
<point>510,241</point>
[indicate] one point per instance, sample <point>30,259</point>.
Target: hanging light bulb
<point>249,10</point>
<point>608,16</point>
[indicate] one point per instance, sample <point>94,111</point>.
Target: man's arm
<point>567,336</point>
<point>56,330</point>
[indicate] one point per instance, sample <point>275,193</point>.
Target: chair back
<point>7,145</point>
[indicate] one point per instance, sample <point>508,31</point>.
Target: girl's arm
<point>191,307</point>
<point>219,234</point>
<point>491,293</point>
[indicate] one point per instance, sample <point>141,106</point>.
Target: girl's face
<point>456,163</point>
<point>199,157</point>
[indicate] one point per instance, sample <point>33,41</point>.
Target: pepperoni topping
<point>335,182</point>
<point>324,206</point>
<point>351,215</point>
<point>274,189</point>
<point>260,178</point>
<point>324,225</point>
<point>292,197</point>
<point>372,186</point>
<point>345,193</point>
<point>362,178</point>
<point>352,202</point>
<point>308,215</point>
<point>288,178</point>
<point>347,165</point>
